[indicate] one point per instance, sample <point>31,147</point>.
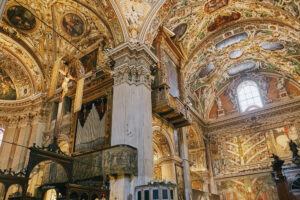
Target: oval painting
<point>21,18</point>
<point>235,54</point>
<point>206,70</point>
<point>180,30</point>
<point>273,46</point>
<point>241,67</point>
<point>73,24</point>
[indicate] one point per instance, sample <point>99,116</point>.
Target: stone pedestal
<point>2,8</point>
<point>132,113</point>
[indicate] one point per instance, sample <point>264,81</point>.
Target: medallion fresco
<point>7,87</point>
<point>73,24</point>
<point>21,18</point>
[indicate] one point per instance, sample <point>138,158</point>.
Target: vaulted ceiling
<point>217,36</point>
<point>224,37</point>
<point>35,33</point>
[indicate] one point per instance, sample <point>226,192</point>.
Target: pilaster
<point>186,164</point>
<point>132,113</point>
<point>7,141</point>
<point>213,187</point>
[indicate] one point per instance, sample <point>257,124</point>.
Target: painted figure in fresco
<point>7,88</point>
<point>21,18</point>
<point>223,19</point>
<point>180,30</point>
<point>214,5</point>
<point>73,24</point>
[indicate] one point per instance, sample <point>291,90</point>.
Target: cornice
<point>136,49</point>
<point>272,115</point>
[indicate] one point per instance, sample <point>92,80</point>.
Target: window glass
<point>165,194</point>
<point>147,195</point>
<point>155,194</point>
<point>1,135</point>
<point>249,96</point>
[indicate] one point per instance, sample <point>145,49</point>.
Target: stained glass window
<point>249,96</point>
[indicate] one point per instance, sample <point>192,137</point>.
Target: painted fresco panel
<point>7,87</point>
<point>89,61</point>
<point>278,140</point>
<point>171,74</point>
<point>248,188</point>
<point>233,154</point>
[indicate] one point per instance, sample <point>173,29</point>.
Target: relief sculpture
<point>120,160</point>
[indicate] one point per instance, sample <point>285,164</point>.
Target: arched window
<point>249,96</point>
<point>1,134</point>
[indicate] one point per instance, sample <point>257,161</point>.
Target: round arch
<point>46,172</point>
<point>167,136</point>
<point>2,190</point>
<point>14,190</point>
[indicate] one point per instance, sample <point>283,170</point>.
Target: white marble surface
<point>2,8</point>
<point>132,125</point>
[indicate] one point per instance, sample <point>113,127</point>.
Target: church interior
<point>149,99</point>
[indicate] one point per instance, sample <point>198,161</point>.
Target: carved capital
<point>132,64</point>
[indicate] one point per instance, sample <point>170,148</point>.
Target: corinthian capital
<point>132,64</point>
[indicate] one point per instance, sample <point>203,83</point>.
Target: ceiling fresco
<point>135,12</point>
<point>267,47</point>
<point>27,30</point>
<point>224,38</point>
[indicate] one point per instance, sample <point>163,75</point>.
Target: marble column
<point>132,113</point>
<point>184,153</point>
<point>2,8</point>
<point>6,145</point>
<point>213,186</point>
